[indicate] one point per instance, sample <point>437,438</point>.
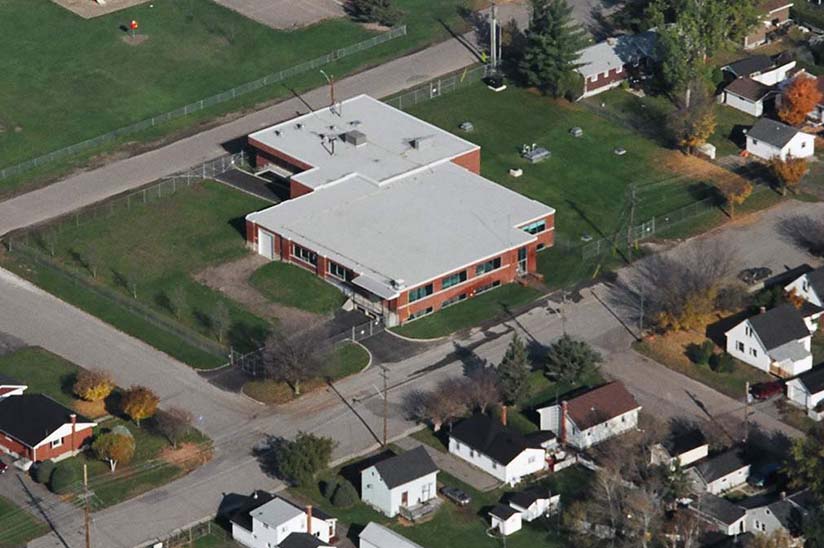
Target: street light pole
<point>331,81</point>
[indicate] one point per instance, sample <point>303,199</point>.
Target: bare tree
<point>221,320</point>
<point>481,390</point>
<point>174,424</point>
<point>687,527</point>
<point>177,300</point>
<point>446,402</point>
<point>805,232</point>
<point>295,358</point>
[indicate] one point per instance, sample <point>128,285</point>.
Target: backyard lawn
<point>296,287</point>
<point>17,527</point>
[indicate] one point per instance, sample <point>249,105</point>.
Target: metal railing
<point>437,87</point>
<point>202,104</point>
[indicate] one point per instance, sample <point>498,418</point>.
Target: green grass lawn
<point>296,287</point>
<point>469,313</point>
<point>728,136</point>
<point>42,371</point>
<point>349,358</point>
<point>17,527</point>
<point>51,96</point>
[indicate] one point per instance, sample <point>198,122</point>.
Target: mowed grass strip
<point>55,82</point>
<point>17,526</point>
<point>293,286</point>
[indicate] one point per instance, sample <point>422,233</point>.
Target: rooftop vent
<point>422,143</point>
<point>355,123</point>
<point>398,284</point>
<point>355,137</point>
<point>299,125</point>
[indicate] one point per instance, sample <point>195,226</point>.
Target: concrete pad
<point>88,9</point>
<point>286,14</point>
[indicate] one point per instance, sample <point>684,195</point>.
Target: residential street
<point>237,424</point>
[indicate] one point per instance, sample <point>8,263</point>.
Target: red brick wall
<point>470,160</point>
<point>45,451</point>
<point>251,233</point>
<point>267,155</point>
<point>603,81</point>
<point>296,189</point>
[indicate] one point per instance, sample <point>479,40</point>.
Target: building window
<point>304,254</point>
<point>339,272</point>
<point>536,227</point>
<point>739,346</point>
<point>754,352</point>
<point>488,266</point>
<point>540,247</point>
<point>454,279</point>
<point>420,292</point>
<point>805,286</point>
<point>748,331</point>
<point>420,313</point>
<point>487,287</point>
<point>454,300</point>
<point>57,443</point>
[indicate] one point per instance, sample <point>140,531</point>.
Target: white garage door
<point>266,244</point>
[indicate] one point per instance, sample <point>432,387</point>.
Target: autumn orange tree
<point>735,191</point>
<point>114,447</point>
<point>93,385</point>
<point>691,125</point>
<point>789,172</point>
<point>799,99</point>
<point>139,403</point>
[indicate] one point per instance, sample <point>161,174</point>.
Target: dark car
<point>456,495</point>
<point>764,475</point>
<point>752,276</point>
<point>3,467</point>
<point>766,390</point>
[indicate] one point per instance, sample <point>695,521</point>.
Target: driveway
<point>454,466</point>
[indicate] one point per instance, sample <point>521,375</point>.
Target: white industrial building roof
<point>413,229</point>
<point>383,537</point>
<point>393,142</point>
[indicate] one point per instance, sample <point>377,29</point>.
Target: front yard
<point>293,286</point>
<point>17,526</point>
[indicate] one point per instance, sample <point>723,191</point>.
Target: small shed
<point>505,519</point>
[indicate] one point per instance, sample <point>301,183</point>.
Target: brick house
<point>392,210</point>
<point>774,14</point>
<point>606,64</point>
<point>37,428</point>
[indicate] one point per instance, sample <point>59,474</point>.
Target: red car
<point>766,390</point>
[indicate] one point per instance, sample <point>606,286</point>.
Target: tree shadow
<point>537,352</point>
<point>471,361</point>
<point>67,383</point>
<point>239,224</point>
<point>163,301</point>
<point>203,319</point>
<point>246,337</point>
<point>78,258</point>
<point>804,232</point>
<point>738,135</point>
<point>120,279</point>
<point>113,403</point>
<point>716,331</point>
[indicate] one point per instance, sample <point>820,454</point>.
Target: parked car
<point>751,276</point>
<point>766,390</point>
<point>456,495</point>
<point>764,475</point>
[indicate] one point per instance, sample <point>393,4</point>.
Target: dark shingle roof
<point>779,326</point>
<point>490,437</point>
<point>527,497</point>
<point>816,277</point>
<point>813,380</point>
<point>679,443</point>
<point>720,465</point>
<point>719,509</point>
<point>30,418</point>
<point>503,512</point>
<point>748,88</point>
<point>242,516</point>
<point>750,65</point>
<point>789,515</point>
<point>772,132</point>
<point>302,540</point>
<point>600,405</point>
<point>406,467</point>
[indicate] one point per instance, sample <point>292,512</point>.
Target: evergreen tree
<point>569,360</point>
<point>514,371</point>
<point>552,49</point>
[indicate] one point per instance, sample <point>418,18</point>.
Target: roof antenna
<point>332,104</point>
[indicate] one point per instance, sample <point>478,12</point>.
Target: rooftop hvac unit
<point>355,137</point>
<point>422,143</point>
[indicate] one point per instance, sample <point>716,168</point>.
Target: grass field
<point>293,286</point>
<point>17,527</point>
<point>52,96</point>
<point>42,371</point>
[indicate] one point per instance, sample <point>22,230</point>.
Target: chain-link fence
<point>439,86</point>
<point>186,536</point>
<point>202,104</point>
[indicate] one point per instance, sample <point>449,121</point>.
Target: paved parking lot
<point>285,14</point>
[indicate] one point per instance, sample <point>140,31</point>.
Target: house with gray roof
<point>809,286</point>
<point>375,535</point>
<point>263,520</point>
<point>721,514</point>
<point>807,392</point>
<point>720,473</point>
<point>606,64</point>
<point>776,341</point>
<point>766,515</point>
<point>405,483</point>
<point>769,139</point>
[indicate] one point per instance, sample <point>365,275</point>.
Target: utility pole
<point>385,405</point>
<point>493,38</point>
<point>331,81</point>
<point>747,411</point>
<point>632,205</point>
<point>87,509</point>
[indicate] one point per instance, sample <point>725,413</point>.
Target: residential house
<point>534,503</point>
<point>401,482</point>
<point>773,15</point>
<point>754,82</point>
<point>505,519</point>
<point>269,521</point>
<point>771,513</point>
<point>809,286</point>
<point>684,448</point>
<point>769,139</point>
<point>748,95</point>
<point>720,473</point>
<point>777,341</point>
<point>10,387</point>
<point>807,391</point>
<point>721,514</point>
<point>498,449</point>
<point>591,417</point>
<point>36,428</point>
<point>392,210</point>
<point>378,536</point>
<point>764,69</point>
<point>607,64</point>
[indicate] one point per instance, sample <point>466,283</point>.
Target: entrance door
<point>266,244</point>
<point>522,261</point>
<point>405,498</point>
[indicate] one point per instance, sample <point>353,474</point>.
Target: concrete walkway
<point>454,466</point>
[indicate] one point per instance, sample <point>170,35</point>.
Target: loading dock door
<point>266,244</point>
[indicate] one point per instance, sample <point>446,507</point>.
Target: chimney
<point>503,415</point>
<point>73,418</point>
<point>762,310</point>
<point>563,421</point>
<point>309,519</point>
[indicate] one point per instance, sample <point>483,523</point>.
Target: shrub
<point>43,472</point>
<point>63,478</point>
<point>328,487</point>
<point>701,353</point>
<point>93,385</point>
<point>722,363</point>
<point>733,298</point>
<point>345,495</point>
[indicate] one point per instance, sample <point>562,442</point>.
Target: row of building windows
<point>536,227</point>
<point>421,313</point>
<point>454,279</point>
<point>454,300</point>
<point>420,292</point>
<point>304,254</point>
<point>488,266</point>
<point>339,272</point>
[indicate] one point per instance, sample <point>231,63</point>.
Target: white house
<point>807,391</point>
<point>403,481</point>
<point>748,95</point>
<point>682,447</point>
<point>720,473</point>
<point>769,139</point>
<point>268,521</point>
<point>766,515</point>
<point>777,341</point>
<point>721,514</point>
<point>378,536</point>
<point>497,449</point>
<point>809,286</point>
<point>592,417</point>
<point>764,69</point>
<point>534,503</point>
<point>505,519</point>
